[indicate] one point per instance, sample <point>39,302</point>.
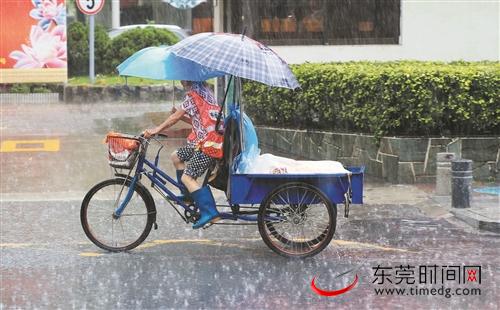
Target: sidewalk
<point>484,213</point>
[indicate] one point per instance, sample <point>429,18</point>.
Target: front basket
<point>122,151</point>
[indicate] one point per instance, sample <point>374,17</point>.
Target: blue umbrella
<point>159,63</point>
<point>237,55</point>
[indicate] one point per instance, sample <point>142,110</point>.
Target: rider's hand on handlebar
<point>148,133</point>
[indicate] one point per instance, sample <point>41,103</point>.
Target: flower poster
<point>33,41</point>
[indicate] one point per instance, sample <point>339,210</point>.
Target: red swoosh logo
<point>334,292</point>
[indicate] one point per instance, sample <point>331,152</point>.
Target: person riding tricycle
<point>294,207</point>
<point>192,160</point>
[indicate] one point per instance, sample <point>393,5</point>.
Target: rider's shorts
<point>196,161</point>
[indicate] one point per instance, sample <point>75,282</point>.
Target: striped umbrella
<point>237,55</point>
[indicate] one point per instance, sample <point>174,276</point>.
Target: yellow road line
<point>343,243</point>
<point>356,244</point>
<point>90,254</point>
<point>160,242</point>
<point>150,244</point>
<point>15,245</point>
<point>47,145</point>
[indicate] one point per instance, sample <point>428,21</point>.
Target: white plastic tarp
<point>271,164</point>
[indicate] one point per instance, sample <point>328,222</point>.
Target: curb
<point>78,94</point>
<point>96,94</point>
<point>476,220</point>
<point>468,215</point>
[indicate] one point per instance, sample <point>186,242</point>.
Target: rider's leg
<point>190,183</point>
<point>179,165</point>
<point>202,196</point>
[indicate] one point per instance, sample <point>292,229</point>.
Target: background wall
<point>443,30</point>
<point>396,159</point>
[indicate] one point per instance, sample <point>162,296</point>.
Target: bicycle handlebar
<point>141,136</point>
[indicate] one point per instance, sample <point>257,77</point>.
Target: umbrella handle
<point>243,33</point>
<point>223,103</point>
<point>173,93</point>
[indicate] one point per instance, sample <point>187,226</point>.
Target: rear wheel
<point>297,220</point>
<point>117,233</point>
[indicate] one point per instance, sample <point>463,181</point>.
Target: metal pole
<point>91,49</point>
<point>461,183</point>
<point>173,93</point>
<point>240,103</point>
<point>443,173</point>
<point>115,14</point>
<point>218,25</point>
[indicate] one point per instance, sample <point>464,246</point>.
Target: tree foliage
<point>109,53</point>
<point>390,98</point>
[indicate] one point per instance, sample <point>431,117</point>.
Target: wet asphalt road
<point>48,263</point>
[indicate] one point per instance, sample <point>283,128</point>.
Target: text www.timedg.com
<point>423,291</point>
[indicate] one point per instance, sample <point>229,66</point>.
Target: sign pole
<point>91,50</point>
<point>90,8</point>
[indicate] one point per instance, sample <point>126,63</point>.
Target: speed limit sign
<point>90,7</point>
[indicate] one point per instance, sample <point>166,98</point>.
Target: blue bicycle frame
<point>159,179</point>
<point>156,176</point>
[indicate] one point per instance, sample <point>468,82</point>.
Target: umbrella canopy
<point>160,63</point>
<point>184,4</point>
<point>237,55</point>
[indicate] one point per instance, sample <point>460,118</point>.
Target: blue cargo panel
<point>253,188</point>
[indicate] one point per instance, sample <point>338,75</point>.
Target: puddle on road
<point>80,160</point>
<point>492,190</point>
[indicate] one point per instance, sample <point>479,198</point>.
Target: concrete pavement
<point>48,263</point>
<point>484,213</point>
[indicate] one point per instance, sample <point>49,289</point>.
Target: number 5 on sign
<point>90,7</point>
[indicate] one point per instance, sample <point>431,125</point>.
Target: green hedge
<point>391,98</point>
<point>131,41</point>
<point>109,53</point>
<point>25,88</point>
<point>78,49</point>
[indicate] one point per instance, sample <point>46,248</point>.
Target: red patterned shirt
<point>189,106</point>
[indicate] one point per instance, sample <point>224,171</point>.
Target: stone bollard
<point>461,183</point>
<point>443,173</point>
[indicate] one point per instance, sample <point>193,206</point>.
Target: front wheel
<point>117,233</point>
<point>297,220</point>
